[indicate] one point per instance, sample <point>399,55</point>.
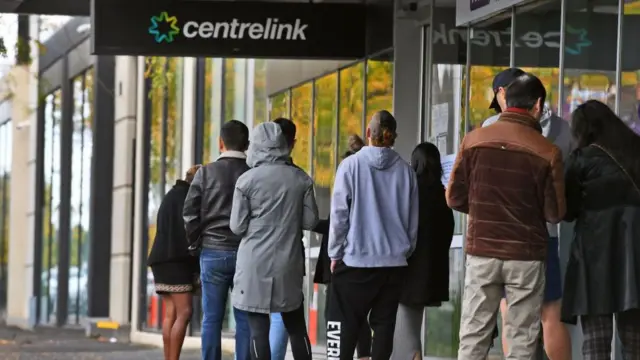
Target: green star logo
<point>159,35</point>
<point>581,40</point>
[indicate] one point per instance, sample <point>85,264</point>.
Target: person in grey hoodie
<point>556,338</point>
<point>273,203</point>
<point>373,230</point>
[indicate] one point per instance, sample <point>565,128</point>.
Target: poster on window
<point>447,166</point>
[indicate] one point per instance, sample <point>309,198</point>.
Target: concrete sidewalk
<point>66,344</point>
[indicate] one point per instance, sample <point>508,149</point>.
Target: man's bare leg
<point>557,341</point>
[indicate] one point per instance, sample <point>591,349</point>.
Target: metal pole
<point>512,41</point>
<point>561,57</point>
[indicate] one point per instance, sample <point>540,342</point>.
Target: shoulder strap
<point>619,165</point>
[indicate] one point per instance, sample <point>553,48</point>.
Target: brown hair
<point>355,143</point>
<point>191,173</point>
<point>382,129</point>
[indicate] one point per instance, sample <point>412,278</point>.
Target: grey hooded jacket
<point>556,130</point>
<point>273,203</point>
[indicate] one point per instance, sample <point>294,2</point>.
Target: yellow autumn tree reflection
<point>301,116</point>
<point>324,121</point>
<point>164,98</point>
<point>260,91</point>
<point>379,86</point>
<point>351,104</point>
<point>279,105</point>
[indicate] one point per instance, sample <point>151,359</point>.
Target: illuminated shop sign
<point>231,29</point>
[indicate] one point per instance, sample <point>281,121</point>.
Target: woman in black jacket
<point>323,272</point>
<point>603,197</point>
<point>175,272</point>
<point>427,277</point>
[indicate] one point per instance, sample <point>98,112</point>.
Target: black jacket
<point>603,273</point>
<point>323,266</point>
<point>427,277</point>
<point>207,209</point>
<point>170,243</point>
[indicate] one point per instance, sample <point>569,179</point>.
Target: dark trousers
<point>356,293</point>
<point>598,333</point>
<point>364,336</point>
<point>294,322</point>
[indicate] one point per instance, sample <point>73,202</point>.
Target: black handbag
<point>195,248</point>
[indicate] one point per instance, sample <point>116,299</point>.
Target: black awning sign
<point>196,28</point>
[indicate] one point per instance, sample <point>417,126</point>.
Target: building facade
<point>92,143</point>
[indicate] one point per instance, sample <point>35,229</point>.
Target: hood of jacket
<point>267,145</point>
<point>378,157</point>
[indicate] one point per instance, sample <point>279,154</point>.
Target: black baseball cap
<point>503,79</point>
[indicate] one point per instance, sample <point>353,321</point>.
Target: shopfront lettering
<point>496,38</point>
<point>271,29</point>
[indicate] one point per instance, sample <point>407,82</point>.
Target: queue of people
<point>237,225</point>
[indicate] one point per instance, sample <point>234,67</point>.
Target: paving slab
<point>71,344</point>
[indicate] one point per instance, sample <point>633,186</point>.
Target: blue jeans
<point>278,337</point>
<point>216,272</point>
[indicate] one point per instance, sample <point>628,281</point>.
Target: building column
<point>102,163</point>
<point>406,84</point>
<point>21,302</point>
<point>125,95</point>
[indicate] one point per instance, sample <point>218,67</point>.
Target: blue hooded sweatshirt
<point>374,210</point>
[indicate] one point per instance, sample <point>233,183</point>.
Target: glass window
<point>280,105</point>
<point>590,48</point>
<point>630,85</point>
<point>324,145</point>
<point>235,89</point>
<point>260,91</point>
<point>212,114</point>
<point>165,163</point>
<point>351,104</point>
<point>81,153</point>
<point>380,84</point>
<point>301,116</point>
<point>6,136</point>
<point>51,204</point>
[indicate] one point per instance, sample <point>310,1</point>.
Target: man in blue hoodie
<point>373,230</point>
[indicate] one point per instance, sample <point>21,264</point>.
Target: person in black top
<point>427,278</point>
<point>207,216</point>
<point>322,274</point>
<point>174,270</point>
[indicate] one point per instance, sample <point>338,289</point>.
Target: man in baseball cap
<point>500,83</point>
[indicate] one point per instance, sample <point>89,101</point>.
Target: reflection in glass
<point>260,92</point>
<point>590,63</point>
<point>380,84</point>
<point>212,114</point>
<point>351,106</point>
<point>324,129</point>
<point>6,143</point>
<point>441,337</point>
<point>301,116</point>
<point>51,204</point>
<point>81,153</point>
<point>235,89</point>
<point>629,93</point>
<point>165,163</point>
<point>174,122</point>
<point>280,105</point>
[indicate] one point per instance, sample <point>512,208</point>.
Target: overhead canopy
<point>47,7</point>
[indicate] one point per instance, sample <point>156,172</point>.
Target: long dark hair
<point>425,160</point>
<point>594,122</point>
<point>355,143</point>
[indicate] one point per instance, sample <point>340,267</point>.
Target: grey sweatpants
<point>407,340</point>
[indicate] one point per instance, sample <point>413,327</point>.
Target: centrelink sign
<point>230,29</point>
<point>270,29</point>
